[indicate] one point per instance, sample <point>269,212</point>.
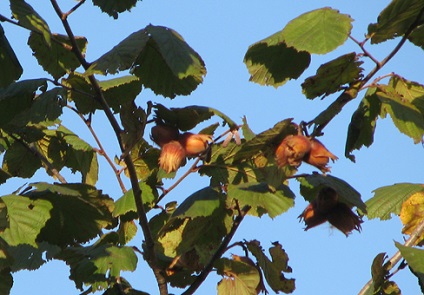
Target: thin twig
<point>101,151</point>
<point>143,222</point>
<point>366,53</point>
<point>413,239</point>
<point>219,252</point>
<point>74,8</point>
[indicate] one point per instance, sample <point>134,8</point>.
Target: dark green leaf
<point>363,123</point>
<point>379,271</point>
<point>415,259</point>
<point>188,117</point>
<point>248,134</point>
<point>98,264</point>
<point>6,281</point>
<point>331,76</point>
<point>126,203</point>
<point>266,141</point>
<point>319,31</point>
<point>79,212</point>
<point>406,116</point>
<point>30,19</point>
<point>417,37</point>
<point>262,198</point>
<point>201,203</point>
<point>18,97</point>
<point>20,161</point>
<point>123,288</point>
<point>26,218</point>
<point>388,200</point>
<point>30,257</point>
<point>273,268</point>
<point>10,69</point>
<point>127,231</point>
<point>56,59</point>
<point>112,7</point>
<point>4,175</point>
<point>395,20</point>
<point>272,62</point>
<point>310,186</point>
<point>84,98</point>
<point>120,91</point>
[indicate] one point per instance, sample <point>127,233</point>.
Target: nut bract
<point>162,134</point>
<point>319,156</point>
<point>292,150</point>
<point>194,144</point>
<point>171,156</point>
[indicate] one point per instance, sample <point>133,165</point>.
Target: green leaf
<point>123,288</point>
<point>31,258</point>
<point>122,56</point>
<point>18,97</point>
<point>79,212</point>
<point>201,203</point>
<point>319,31</point>
<point>188,117</point>
<point>379,270</point>
<point>262,198</point>
<point>389,199</point>
<point>126,203</point>
<point>30,19</point>
<point>84,98</point>
<point>120,91</point>
<point>6,281</point>
<point>127,231</point>
<point>406,116</point>
<point>266,141</point>
<point>271,62</point>
<point>112,7</point>
<point>273,268</point>
<point>415,259</point>
<point>410,91</point>
<point>167,64</point>
<point>26,218</point>
<point>395,20</point>
<point>20,161</point>
<point>310,185</point>
<point>99,264</point>
<point>331,76</point>
<point>11,69</point>
<point>240,277</point>
<point>417,37</point>
<point>363,123</point>
<point>56,59</point>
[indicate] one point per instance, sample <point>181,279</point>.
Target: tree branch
<point>219,252</point>
<point>143,222</point>
<point>413,239</point>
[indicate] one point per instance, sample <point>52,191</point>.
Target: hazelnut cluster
<point>327,207</point>
<point>297,148</point>
<point>175,147</point>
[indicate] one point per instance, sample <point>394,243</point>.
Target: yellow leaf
<point>412,213</point>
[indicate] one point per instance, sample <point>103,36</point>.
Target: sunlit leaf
<point>96,265</point>
<point>395,20</point>
<point>319,31</point>
<point>30,19</point>
<point>127,231</point>
<point>239,277</point>
<point>112,7</point>
<point>412,214</point>
<point>388,200</point>
<point>273,269</point>
<point>27,217</point>
<point>310,185</point>
<point>79,212</point>
<point>331,76</point>
<point>410,91</point>
<point>363,123</point>
<point>271,62</point>
<point>56,59</point>
<point>10,69</point>
<point>262,198</point>
<point>266,140</point>
<point>405,115</point>
<point>201,203</point>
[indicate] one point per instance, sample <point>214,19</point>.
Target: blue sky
<point>324,261</point>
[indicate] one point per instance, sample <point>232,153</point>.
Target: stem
<point>351,93</point>
<point>413,239</point>
<point>81,2</point>
<point>143,222</point>
<point>366,53</point>
<point>219,252</point>
<point>101,151</point>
